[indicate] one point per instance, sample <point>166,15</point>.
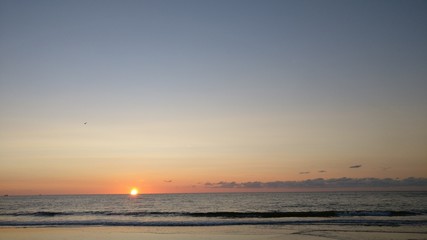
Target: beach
<point>215,233</point>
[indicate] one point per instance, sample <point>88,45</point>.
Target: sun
<point>134,192</point>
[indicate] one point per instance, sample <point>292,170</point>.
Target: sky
<point>200,96</point>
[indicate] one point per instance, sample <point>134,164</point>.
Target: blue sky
<point>259,90</point>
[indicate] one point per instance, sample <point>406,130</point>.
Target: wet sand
<point>215,233</point>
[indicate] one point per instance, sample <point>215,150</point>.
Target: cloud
<point>167,181</point>
<point>304,172</point>
<point>326,183</point>
<point>322,171</point>
<point>356,166</point>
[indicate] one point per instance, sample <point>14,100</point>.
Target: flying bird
<point>85,123</point>
<point>356,166</point>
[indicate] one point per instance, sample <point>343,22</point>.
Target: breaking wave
<point>223,214</point>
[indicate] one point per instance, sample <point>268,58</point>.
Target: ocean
<point>217,209</point>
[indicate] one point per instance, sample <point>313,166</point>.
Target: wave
<point>214,223</point>
<point>224,214</point>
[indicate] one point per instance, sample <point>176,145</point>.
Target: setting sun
<point>134,192</point>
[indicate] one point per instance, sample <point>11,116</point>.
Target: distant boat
<point>6,195</point>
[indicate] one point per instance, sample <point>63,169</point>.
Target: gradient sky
<point>177,94</point>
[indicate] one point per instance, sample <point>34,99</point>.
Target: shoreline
<point>244,232</point>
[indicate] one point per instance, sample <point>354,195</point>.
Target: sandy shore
<point>215,233</point>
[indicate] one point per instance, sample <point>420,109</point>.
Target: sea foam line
<point>215,223</point>
<point>223,214</point>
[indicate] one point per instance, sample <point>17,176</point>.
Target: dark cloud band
<point>326,183</point>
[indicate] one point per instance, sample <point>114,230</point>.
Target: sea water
<point>217,209</point>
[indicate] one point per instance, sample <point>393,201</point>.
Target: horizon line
<point>225,192</point>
